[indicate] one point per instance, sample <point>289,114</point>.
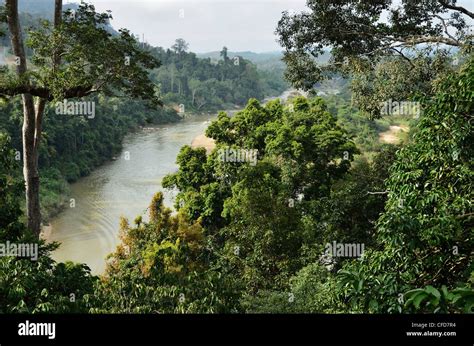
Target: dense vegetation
<point>270,252</point>
<point>253,235</point>
<point>72,146</point>
<point>203,84</point>
<point>27,286</point>
<point>229,248</point>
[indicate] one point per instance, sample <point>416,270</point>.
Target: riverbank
<point>202,141</point>
<point>55,194</point>
<point>393,134</point>
<point>88,228</point>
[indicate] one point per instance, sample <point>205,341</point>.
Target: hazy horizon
<point>206,25</point>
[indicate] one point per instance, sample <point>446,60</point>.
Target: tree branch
<point>456,8</point>
<point>79,91</point>
<point>445,27</point>
<point>464,215</point>
<point>15,35</point>
<point>403,56</point>
<point>58,13</point>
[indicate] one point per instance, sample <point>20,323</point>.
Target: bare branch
<point>403,56</point>
<point>456,8</point>
<point>445,27</point>
<point>464,215</point>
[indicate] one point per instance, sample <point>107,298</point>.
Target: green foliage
<point>257,235</point>
<point>364,34</point>
<point>249,236</point>
<point>201,84</point>
<point>390,50</point>
<point>83,42</point>
<point>163,267</point>
<point>10,192</point>
<point>29,285</point>
<point>387,79</point>
<point>432,300</point>
<point>44,286</point>
<point>315,291</point>
<point>425,235</point>
<point>355,204</point>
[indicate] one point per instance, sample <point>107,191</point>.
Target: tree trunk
<point>30,151</point>
<point>32,117</point>
<point>58,12</point>
<point>172,79</point>
<point>30,166</point>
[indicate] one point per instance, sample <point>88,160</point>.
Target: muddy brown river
<point>88,232</point>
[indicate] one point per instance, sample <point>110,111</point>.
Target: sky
<point>207,25</point>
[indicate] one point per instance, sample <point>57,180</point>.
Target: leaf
<point>373,305</point>
<point>433,291</point>
<point>445,292</point>
<point>413,292</point>
<point>418,299</point>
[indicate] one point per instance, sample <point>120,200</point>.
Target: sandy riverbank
<point>202,141</point>
<point>46,232</point>
<point>392,135</point>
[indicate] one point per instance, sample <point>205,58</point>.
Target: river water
<point>88,231</point>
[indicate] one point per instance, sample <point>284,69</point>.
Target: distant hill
<point>252,56</point>
<point>41,8</point>
<point>32,11</point>
<point>264,61</point>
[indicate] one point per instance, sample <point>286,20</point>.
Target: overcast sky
<point>207,25</point>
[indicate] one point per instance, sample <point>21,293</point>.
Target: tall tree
<point>180,46</point>
<point>364,30</point>
<point>223,53</point>
<point>426,235</point>
<point>75,57</point>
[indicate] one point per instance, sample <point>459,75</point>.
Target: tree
<point>180,46</point>
<point>223,54</point>
<point>75,57</point>
<point>194,85</point>
<point>425,236</point>
<point>414,38</point>
<point>244,206</point>
<point>35,284</point>
<point>10,190</point>
<point>163,267</point>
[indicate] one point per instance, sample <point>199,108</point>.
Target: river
<point>88,231</point>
